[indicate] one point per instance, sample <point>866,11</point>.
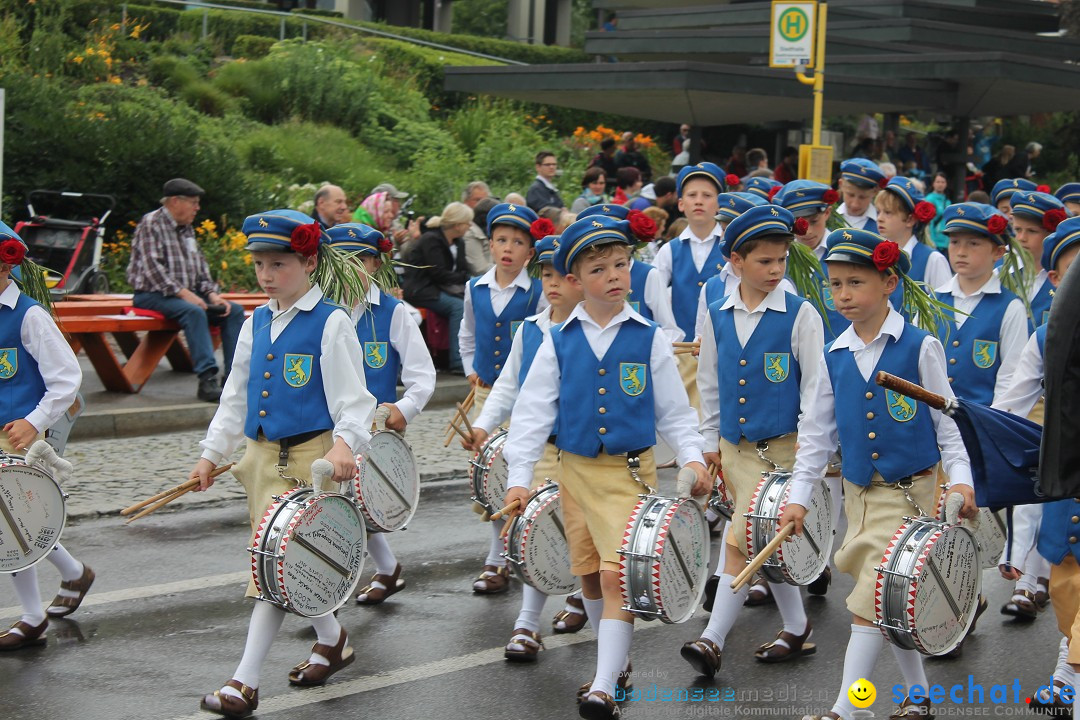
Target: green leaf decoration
<point>808,277</point>
<point>33,284</point>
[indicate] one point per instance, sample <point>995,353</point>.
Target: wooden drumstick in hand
<point>509,508</point>
<point>760,559</point>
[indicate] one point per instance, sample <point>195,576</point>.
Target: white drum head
<point>32,514</point>
<point>387,483</point>
<point>950,580</point>
<point>685,562</point>
<point>495,473</point>
<point>542,556</point>
<point>804,557</point>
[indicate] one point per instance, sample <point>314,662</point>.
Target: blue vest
<point>381,360</point>
<point>920,256</point>
<point>879,429</point>
<point>21,384</point>
<point>639,273</point>
<point>870,226</point>
<point>715,290</point>
<point>605,404</point>
<point>285,389</point>
<point>1040,304</point>
<point>686,281</point>
<point>1040,338</point>
<point>758,384</point>
<point>494,334</point>
<point>531,341</point>
<point>1059,533</point>
<point>835,323</point>
<point>973,351</point>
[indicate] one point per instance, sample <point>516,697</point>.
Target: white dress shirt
<point>1036,286</point>
<point>537,406</point>
<point>731,282</point>
<point>417,369</point>
<point>807,341</point>
<point>699,251</point>
<point>858,221</point>
<point>500,298</point>
<point>938,271</point>
<point>1026,386</point>
<point>1013,334</point>
<point>658,300</point>
<point>350,404</point>
<point>504,392</point>
<point>818,436</point>
<point>57,364</point>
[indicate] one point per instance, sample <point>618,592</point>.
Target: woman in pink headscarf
<point>377,211</point>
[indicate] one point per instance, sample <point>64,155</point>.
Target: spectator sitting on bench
<point>169,275</point>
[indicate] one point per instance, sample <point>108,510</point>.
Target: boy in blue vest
<point>496,303</point>
<point>39,380</point>
<point>607,352</point>
<point>297,394</point>
<point>1069,195</point>
<point>891,442</point>
<point>1034,216</point>
<point>392,345</point>
<point>525,642</point>
<point>902,213</point>
<point>860,180</point>
<point>758,362</point>
<point>1003,191</point>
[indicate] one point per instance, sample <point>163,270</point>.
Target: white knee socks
<point>612,649</point>
<point>328,630</point>
<point>265,622</point>
<point>382,555</point>
<point>863,649</point>
<point>726,608</point>
<point>70,568</point>
<point>594,610</point>
<point>498,546</point>
<point>911,666</point>
<point>721,562</point>
<point>1064,671</point>
<point>26,588</point>
<point>789,601</point>
<point>532,604</point>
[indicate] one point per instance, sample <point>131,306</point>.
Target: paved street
<point>166,622</point>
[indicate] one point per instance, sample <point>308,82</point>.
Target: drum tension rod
<point>881,624</point>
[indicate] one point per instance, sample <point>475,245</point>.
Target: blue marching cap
<point>734,204</point>
<point>857,246</point>
<point>586,232</point>
<point>545,249</point>
<point>1066,236</point>
<point>619,212</point>
<point>757,222</point>
<point>6,233</point>
<point>1069,192</point>
<point>977,218</point>
<point>271,231</point>
<point>707,170</point>
<point>1003,189</point>
<point>762,186</point>
<point>520,216</point>
<point>805,197</point>
<point>862,172</point>
<point>359,238</point>
<point>905,189</point>
<point>1034,204</point>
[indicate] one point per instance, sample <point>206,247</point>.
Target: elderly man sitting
<point>170,276</point>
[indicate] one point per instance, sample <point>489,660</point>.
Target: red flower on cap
<point>883,182</point>
<point>829,197</point>
<point>1042,188</point>
<point>541,228</point>
<point>385,245</point>
<point>1052,218</point>
<point>996,224</point>
<point>801,226</point>
<point>641,225</point>
<point>305,239</point>
<point>924,211</point>
<point>773,190</point>
<point>731,179</point>
<point>12,252</point>
<point>885,255</point>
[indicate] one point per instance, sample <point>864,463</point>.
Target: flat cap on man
<point>180,186</point>
<point>390,190</point>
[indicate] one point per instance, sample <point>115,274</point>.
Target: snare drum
<point>489,473</point>
<point>32,513</point>
<point>800,559</point>
<point>928,586</point>
<point>665,559</point>
<point>991,535</point>
<point>536,544</point>
<point>386,486</point>
<point>308,551</point>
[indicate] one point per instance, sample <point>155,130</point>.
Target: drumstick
<point>460,432</point>
<point>464,417</point>
<point>505,530</point>
<point>171,491</point>
<point>712,470</point>
<point>160,504</point>
<point>499,513</point>
<point>766,552</point>
<point>692,345</point>
<point>468,403</point>
<point>911,390</point>
<point>14,527</point>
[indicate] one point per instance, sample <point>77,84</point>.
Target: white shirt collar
<point>547,183</point>
<point>850,340</point>
<point>308,302</point>
<point>11,294</point>
<point>775,300</point>
<point>522,280</point>
<point>374,294</point>
<point>688,234</point>
<point>726,272</point>
<point>909,246</point>
<point>627,313</point>
<point>990,287</point>
<point>871,211</point>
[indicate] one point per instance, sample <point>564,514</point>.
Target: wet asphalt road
<point>166,623</point>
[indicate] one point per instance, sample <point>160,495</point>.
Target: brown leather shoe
<point>959,649</point>
<point>492,580</point>
<point>820,585</point>
<point>571,621</point>
<point>912,710</point>
<point>703,655</point>
<point>599,706</point>
<point>229,705</point>
<point>1042,596</point>
<point>759,593</point>
<point>370,595</point>
<point>31,636</point>
<point>524,646</point>
<point>773,652</point>
<point>624,684</point>
<point>63,605</point>
<point>307,674</point>
<point>1021,606</point>
<point>1041,702</point>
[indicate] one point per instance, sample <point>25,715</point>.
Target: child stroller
<point>68,247</point>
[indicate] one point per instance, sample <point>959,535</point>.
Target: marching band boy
<point>758,361</point>
<point>1069,195</point>
<point>391,343</point>
<point>860,180</point>
<point>1034,216</point>
<point>902,212</point>
<point>1003,191</point>
<point>890,442</point>
<point>296,393</point>
<point>40,378</point>
<point>609,379</point>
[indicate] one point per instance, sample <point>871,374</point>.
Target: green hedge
<point>227,26</point>
<point>319,13</point>
<point>420,65</point>
<point>252,47</point>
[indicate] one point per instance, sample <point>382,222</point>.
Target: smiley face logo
<point>862,693</point>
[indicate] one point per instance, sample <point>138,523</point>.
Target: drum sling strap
<point>283,452</point>
<point>633,464</point>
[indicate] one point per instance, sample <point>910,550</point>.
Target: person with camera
<point>170,276</point>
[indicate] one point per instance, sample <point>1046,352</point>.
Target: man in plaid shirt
<point>170,276</point>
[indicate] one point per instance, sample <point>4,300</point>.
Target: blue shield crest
<point>632,378</point>
<point>777,366</point>
<point>827,298</point>
<point>901,407</point>
<point>9,363</point>
<point>297,369</point>
<point>375,354</point>
<point>514,325</point>
<point>984,353</point>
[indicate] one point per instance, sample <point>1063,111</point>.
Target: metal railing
<point>207,6</point>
